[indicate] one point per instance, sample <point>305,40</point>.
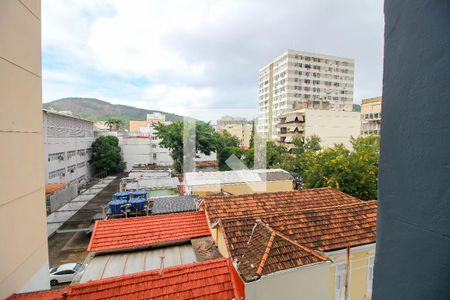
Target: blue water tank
<point>139,194</point>
<point>122,195</point>
<point>137,204</point>
<point>116,205</point>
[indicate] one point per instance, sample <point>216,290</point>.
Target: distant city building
<point>332,127</point>
<point>242,131</point>
<point>67,143</point>
<point>23,229</point>
<point>229,120</point>
<point>152,119</point>
<point>371,116</point>
<point>313,80</point>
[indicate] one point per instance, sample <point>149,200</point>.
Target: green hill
<point>99,110</point>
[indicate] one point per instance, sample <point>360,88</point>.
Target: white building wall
<point>333,127</point>
<point>67,142</point>
<point>308,282</point>
<point>299,77</point>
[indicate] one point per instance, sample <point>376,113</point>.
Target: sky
<point>198,57</point>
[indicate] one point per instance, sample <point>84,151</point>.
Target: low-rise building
<point>152,119</point>
<point>332,127</point>
<point>371,116</point>
<point>67,144</point>
<point>310,244</point>
<point>237,182</point>
<point>155,183</point>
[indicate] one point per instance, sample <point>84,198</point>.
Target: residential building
<point>237,182</point>
<point>332,127</point>
<point>242,131</point>
<point>371,116</point>
<point>23,230</point>
<point>229,120</point>
<point>155,183</point>
<point>67,142</point>
<point>311,244</point>
<point>152,119</point>
<point>313,80</point>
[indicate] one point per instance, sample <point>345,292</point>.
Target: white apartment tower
<point>305,79</point>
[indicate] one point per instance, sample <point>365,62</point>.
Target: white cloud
<point>202,53</point>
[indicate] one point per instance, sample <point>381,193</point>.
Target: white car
<point>64,273</point>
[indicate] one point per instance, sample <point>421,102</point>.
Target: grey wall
<point>413,242</point>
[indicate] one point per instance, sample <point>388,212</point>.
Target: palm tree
<point>114,123</point>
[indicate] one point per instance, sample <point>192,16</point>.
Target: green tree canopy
<point>114,124</point>
<point>106,155</point>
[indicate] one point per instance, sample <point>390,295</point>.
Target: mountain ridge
<point>94,109</point>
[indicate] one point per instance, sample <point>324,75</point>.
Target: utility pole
<point>347,267</point>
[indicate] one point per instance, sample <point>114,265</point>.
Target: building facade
<point>153,118</point>
<point>67,142</point>
<point>312,80</point>
<point>332,127</point>
<point>242,131</point>
<point>371,116</point>
<point>23,227</point>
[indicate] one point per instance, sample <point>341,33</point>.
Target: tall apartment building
<point>315,81</point>
<point>23,227</point>
<point>67,142</point>
<point>371,116</point>
<point>242,131</point>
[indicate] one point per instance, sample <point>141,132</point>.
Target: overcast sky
<point>178,55</point>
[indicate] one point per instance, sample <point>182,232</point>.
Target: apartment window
<point>57,173</point>
<point>154,156</point>
<point>71,168</point>
<point>56,156</point>
<point>339,282</point>
<point>370,275</point>
<point>71,154</point>
<point>154,146</point>
<point>81,165</point>
<point>89,151</point>
<point>81,152</point>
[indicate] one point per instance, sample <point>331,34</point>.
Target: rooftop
<point>47,295</point>
<point>142,232</point>
<point>152,183</point>
<point>117,264</point>
<point>211,279</point>
<point>261,204</point>
<point>239,176</point>
<point>164,205</point>
<point>297,236</point>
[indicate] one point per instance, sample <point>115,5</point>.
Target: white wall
<point>308,283</point>
<point>333,127</point>
<point>72,135</point>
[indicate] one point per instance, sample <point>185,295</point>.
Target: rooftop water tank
<point>122,195</point>
<point>116,205</point>
<point>137,204</point>
<point>139,194</point>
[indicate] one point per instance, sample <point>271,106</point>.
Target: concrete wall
<point>359,267</point>
<point>23,230</point>
<point>308,282</point>
<point>333,127</point>
<point>413,229</point>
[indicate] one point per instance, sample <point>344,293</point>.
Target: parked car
<point>64,273</point>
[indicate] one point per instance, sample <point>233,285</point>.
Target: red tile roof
<point>319,229</point>
<point>210,279</point>
<point>119,234</point>
<point>269,251</point>
<point>206,163</point>
<point>261,204</point>
<point>47,295</point>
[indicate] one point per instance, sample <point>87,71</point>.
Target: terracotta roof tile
<point>206,163</point>
<point>210,279</point>
<point>119,234</point>
<point>54,187</point>
<point>270,251</point>
<point>47,295</point>
<point>322,229</point>
<point>261,204</point>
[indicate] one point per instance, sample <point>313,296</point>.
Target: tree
<point>114,123</point>
<point>276,155</point>
<point>171,136</point>
<point>106,155</point>
<point>352,171</point>
<point>226,145</point>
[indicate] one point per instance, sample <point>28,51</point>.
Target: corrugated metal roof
<point>164,205</point>
<point>153,183</point>
<point>105,266</point>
